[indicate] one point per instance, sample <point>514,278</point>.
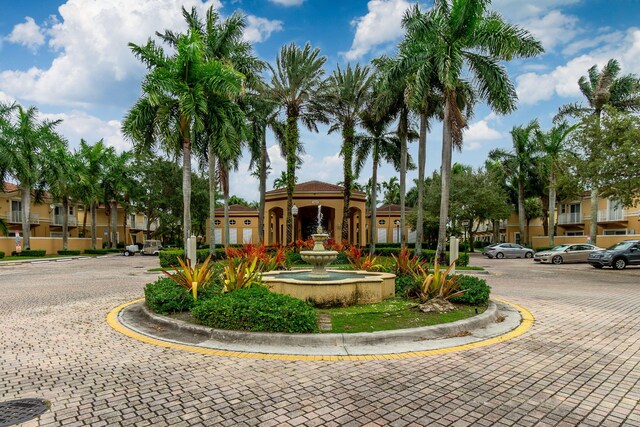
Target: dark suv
<point>617,256</point>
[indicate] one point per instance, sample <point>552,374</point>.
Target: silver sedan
<point>507,250</point>
<point>566,254</point>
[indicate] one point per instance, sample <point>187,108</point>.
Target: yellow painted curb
<point>525,325</point>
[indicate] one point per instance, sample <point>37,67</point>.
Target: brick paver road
<point>579,364</point>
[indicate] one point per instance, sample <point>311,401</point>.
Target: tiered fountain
<point>330,287</point>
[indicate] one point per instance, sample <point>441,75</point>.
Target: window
<point>574,233</point>
<point>247,222</point>
<point>232,222</point>
<point>217,222</point>
<point>396,222</point>
<point>619,232</point>
<point>382,222</point>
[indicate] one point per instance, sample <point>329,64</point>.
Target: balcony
<point>56,220</point>
<point>570,218</point>
<point>611,215</point>
<point>16,218</point>
<point>152,227</point>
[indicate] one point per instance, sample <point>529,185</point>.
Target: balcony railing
<point>16,218</point>
<point>570,218</point>
<point>608,215</point>
<point>57,220</point>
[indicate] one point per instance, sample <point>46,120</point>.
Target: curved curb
<point>113,320</point>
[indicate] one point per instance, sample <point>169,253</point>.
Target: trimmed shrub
<point>463,260</point>
<point>1,254</point>
<point>405,285</point>
<point>294,258</point>
<point>96,251</point>
<point>477,291</point>
<point>30,253</point>
<point>342,258</point>
<point>543,248</point>
<point>256,309</point>
<point>68,252</point>
<point>165,296</point>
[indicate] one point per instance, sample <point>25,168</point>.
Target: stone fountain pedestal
<point>319,257</point>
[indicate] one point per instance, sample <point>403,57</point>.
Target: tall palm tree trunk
<point>593,227</point>
<point>347,157</point>
<point>212,199</point>
<point>445,172</point>
<point>124,225</point>
<point>114,224</point>
<point>496,230</point>
<point>403,127</point>
<point>225,195</point>
<point>65,224</point>
<point>25,198</point>
<point>422,159</point>
<point>552,208</point>
<point>374,196</point>
<point>186,191</point>
<point>84,222</point>
<point>291,138</point>
<point>521,212</point>
<point>94,228</point>
<point>263,186</point>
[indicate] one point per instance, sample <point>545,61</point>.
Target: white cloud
<point>590,43</point>
<point>287,2</point>
<point>480,132</point>
<point>95,66</point>
<point>553,28</point>
<point>522,10</point>
<point>382,24</point>
<point>28,34</point>
<point>259,29</point>
<point>78,125</point>
<point>563,80</point>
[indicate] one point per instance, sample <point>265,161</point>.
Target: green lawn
<point>394,313</point>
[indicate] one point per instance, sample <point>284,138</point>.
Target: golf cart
<point>150,247</point>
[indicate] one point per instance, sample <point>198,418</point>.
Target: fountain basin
<point>335,289</point>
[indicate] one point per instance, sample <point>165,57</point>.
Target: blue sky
<point>70,59</point>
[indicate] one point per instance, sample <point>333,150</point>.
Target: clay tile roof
<point>8,187</point>
<point>388,208</point>
<point>237,209</point>
<point>312,186</point>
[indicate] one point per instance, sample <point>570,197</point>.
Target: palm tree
<point>603,88</point>
<point>343,96</point>
<point>294,84</point>
<point>92,160</point>
<point>281,181</point>
<point>116,185</point>
<point>174,105</point>
<point>382,145</point>
<point>392,100</point>
<point>459,35</point>
<point>392,194</point>
<point>262,113</point>
<point>63,172</point>
<point>519,164</point>
<point>554,146</point>
<point>25,143</point>
<point>224,127</point>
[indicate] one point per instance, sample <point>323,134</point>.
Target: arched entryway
<point>275,226</point>
<point>307,221</point>
<point>356,226</point>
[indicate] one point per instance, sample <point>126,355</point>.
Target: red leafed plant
<point>360,261</point>
<point>265,261</point>
<point>406,264</point>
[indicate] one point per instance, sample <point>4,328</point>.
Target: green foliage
<point>170,257</point>
<point>406,286</point>
<point>30,253</point>
<point>96,251</point>
<point>256,309</point>
<point>543,248</point>
<point>476,291</point>
<point>294,258</point>
<point>241,273</point>
<point>1,254</point>
<point>165,296</point>
<point>69,252</point>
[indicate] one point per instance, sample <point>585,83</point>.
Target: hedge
<point>477,291</point>
<point>1,254</point>
<point>543,248</point>
<point>96,251</point>
<point>427,255</point>
<point>256,309</point>
<point>165,296</point>
<point>30,253</point>
<point>69,252</point>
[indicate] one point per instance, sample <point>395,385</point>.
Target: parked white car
<point>566,254</point>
